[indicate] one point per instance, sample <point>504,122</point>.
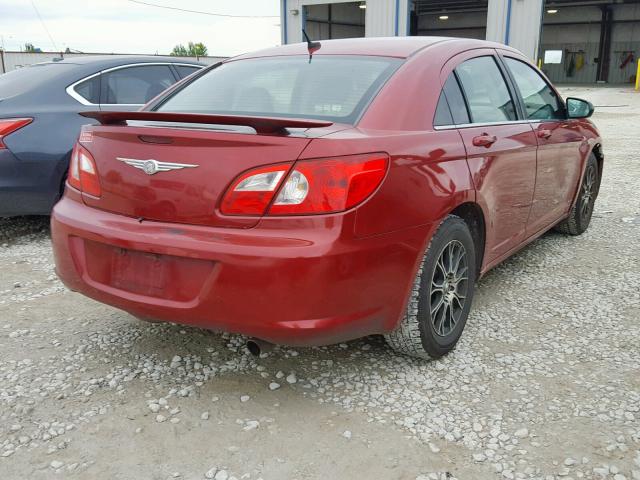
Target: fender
<point>590,144</point>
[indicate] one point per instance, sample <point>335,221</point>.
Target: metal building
<point>575,41</point>
<point>515,22</point>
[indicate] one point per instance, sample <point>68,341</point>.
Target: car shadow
<point>15,230</point>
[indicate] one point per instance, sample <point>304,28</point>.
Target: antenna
<point>312,47</point>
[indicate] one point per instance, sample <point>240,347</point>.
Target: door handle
<point>484,140</point>
<point>544,133</point>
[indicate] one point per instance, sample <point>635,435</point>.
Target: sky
<point>124,26</point>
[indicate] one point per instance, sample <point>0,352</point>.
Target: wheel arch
<point>597,152</point>
<point>473,216</point>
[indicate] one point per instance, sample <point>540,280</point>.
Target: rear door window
<point>540,100</point>
<point>443,114</point>
<point>135,85</point>
<point>336,88</point>
<point>451,98</point>
<point>486,91</point>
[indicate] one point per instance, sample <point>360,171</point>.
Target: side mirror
<point>578,108</point>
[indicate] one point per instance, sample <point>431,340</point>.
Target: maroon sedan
<point>310,195</point>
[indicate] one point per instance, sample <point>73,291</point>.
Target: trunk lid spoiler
<point>262,125</point>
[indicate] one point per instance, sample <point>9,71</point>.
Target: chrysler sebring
<point>315,193</point>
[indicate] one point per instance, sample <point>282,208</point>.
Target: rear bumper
<point>297,281</point>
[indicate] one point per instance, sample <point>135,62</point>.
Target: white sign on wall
<point>553,56</point>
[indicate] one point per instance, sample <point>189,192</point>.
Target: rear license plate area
<point>155,275</point>
<point>139,272</point>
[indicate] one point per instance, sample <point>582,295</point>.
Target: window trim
<point>484,124</point>
<point>76,96</point>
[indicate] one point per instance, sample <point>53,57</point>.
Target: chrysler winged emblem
<point>151,166</point>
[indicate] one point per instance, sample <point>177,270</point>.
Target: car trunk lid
<point>180,173</point>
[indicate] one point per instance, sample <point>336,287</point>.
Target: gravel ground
<point>544,384</point>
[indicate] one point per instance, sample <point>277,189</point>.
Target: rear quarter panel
<point>427,178</point>
<point>428,174</point>
<point>42,150</point>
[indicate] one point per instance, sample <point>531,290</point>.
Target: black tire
<point>421,332</point>
<point>580,215</point>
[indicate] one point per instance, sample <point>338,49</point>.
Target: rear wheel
<point>580,216</point>
<point>441,296</point>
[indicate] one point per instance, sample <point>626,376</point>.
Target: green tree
<point>191,50</point>
<point>179,51</point>
<point>28,47</point>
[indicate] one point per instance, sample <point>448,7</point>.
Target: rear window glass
<point>336,88</point>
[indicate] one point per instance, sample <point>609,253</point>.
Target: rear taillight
<point>252,192</point>
<point>10,125</point>
<point>83,174</point>
<point>330,184</point>
<point>323,185</point>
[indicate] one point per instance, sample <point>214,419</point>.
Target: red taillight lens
<point>83,174</point>
<point>330,184</point>
<point>316,186</point>
<point>10,125</point>
<point>74,169</point>
<point>252,192</point>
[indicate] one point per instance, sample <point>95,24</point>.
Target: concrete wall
<point>13,60</point>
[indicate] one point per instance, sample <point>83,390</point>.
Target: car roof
<point>105,61</point>
<point>47,78</point>
<point>400,47</point>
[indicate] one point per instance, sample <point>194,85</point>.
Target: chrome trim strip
<point>489,124</point>
<point>76,96</point>
<point>484,124</point>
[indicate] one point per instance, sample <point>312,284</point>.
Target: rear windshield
<point>335,88</point>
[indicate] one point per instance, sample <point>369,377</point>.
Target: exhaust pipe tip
<point>257,347</point>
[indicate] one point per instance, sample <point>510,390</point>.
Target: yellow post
<point>540,65</point>
<point>638,76</point>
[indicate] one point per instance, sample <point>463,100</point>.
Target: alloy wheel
<point>449,287</point>
<point>587,192</point>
